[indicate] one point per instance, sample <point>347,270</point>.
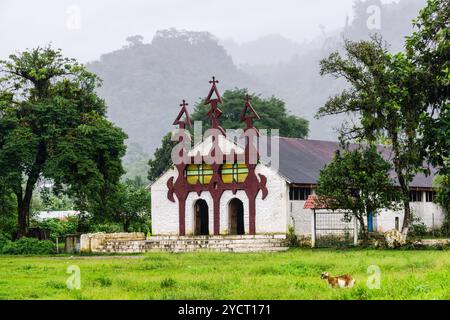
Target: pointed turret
<point>248,113</point>
<point>214,112</point>
<point>186,122</point>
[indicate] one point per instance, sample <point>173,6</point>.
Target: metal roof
<point>301,160</point>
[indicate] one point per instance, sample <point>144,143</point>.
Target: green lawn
<point>291,275</point>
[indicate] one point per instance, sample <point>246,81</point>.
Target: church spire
<point>214,112</point>
<point>186,122</point>
<point>248,113</point>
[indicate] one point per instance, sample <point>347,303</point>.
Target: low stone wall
<point>435,242</point>
<point>93,242</point>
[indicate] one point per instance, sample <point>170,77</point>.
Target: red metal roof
<point>312,203</point>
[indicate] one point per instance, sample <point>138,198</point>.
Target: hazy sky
<point>84,29</point>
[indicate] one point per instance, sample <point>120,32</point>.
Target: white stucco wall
<point>301,218</point>
<point>431,214</point>
<point>271,213</point>
<point>164,212</point>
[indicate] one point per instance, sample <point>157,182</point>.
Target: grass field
<point>291,275</point>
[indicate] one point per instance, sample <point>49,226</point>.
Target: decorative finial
<point>184,104</point>
<point>248,118</point>
<point>214,81</point>
<point>187,120</point>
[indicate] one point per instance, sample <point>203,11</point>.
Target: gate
<point>333,229</point>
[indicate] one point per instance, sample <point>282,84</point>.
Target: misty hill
<point>143,84</point>
<point>270,49</point>
<point>298,81</point>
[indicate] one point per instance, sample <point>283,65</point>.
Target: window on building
<point>234,172</point>
<point>429,196</point>
<point>199,173</point>
<point>415,196</point>
<point>397,223</point>
<point>299,193</point>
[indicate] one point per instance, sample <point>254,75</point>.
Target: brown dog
<point>344,281</point>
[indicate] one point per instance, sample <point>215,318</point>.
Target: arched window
<point>234,172</point>
<point>199,173</point>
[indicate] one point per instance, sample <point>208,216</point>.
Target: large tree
<point>385,93</point>
<point>273,115</point>
<point>429,48</point>
<point>357,181</point>
<point>53,126</point>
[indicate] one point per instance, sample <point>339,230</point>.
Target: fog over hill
<point>145,82</point>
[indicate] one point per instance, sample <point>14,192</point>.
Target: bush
<point>59,227</point>
<point>418,229</point>
<point>28,246</point>
<point>3,241</point>
<point>107,228</point>
<point>291,238</point>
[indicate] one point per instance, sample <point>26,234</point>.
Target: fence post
<point>355,231</point>
<point>313,229</point>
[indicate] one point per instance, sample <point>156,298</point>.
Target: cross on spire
<point>209,99</point>
<point>214,81</point>
<point>186,122</point>
<point>184,104</point>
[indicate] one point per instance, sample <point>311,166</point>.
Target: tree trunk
<point>126,224</point>
<point>22,219</point>
<point>363,227</point>
<point>404,185</point>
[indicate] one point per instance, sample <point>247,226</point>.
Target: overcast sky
<point>84,29</point>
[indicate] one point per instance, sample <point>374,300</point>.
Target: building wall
<point>164,212</point>
<point>300,219</point>
<point>271,213</point>
<point>431,214</point>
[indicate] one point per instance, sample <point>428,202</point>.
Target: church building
<point>237,196</point>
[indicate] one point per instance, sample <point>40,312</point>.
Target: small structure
<point>330,227</point>
<point>60,215</point>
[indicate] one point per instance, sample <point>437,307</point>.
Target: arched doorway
<point>201,218</point>
<point>236,217</point>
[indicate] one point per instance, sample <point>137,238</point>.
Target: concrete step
<point>234,243</point>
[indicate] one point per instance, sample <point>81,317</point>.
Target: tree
<point>386,94</point>
<point>273,115</point>
<point>357,181</point>
<point>133,204</point>
<point>53,126</point>
<point>162,158</point>
<point>272,111</point>
<point>429,49</point>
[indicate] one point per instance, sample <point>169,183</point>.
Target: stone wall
<point>93,242</point>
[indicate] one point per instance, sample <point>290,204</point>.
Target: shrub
<point>291,238</point>
<point>418,229</point>
<point>59,227</point>
<point>107,227</point>
<point>28,246</point>
<point>3,241</point>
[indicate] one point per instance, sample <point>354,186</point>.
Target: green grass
<point>423,274</point>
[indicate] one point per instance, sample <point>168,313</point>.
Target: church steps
<point>258,243</point>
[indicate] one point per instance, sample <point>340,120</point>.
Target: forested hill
<point>143,84</point>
